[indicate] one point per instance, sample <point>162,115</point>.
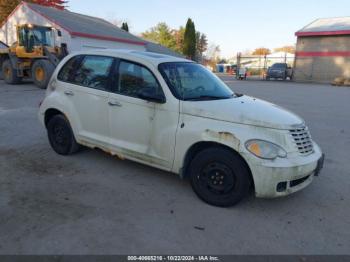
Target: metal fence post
<point>238,64</point>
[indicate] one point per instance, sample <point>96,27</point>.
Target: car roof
<point>137,56</point>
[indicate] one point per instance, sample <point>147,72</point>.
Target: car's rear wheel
<point>219,177</point>
<point>61,136</point>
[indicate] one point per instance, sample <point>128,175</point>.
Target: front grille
<point>302,139</point>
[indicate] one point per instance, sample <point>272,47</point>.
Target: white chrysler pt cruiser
<point>173,114</point>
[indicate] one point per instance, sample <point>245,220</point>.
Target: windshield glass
<point>43,36</point>
<point>279,66</point>
<point>37,36</point>
<point>190,81</point>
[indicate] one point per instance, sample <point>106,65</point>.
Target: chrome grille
<point>302,139</point>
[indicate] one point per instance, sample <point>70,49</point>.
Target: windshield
<point>43,36</point>
<point>190,81</point>
<point>279,66</point>
<point>37,36</point>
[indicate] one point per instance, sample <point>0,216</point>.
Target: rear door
<point>85,84</point>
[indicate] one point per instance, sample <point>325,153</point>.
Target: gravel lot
<point>92,203</point>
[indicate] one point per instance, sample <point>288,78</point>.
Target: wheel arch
<point>50,113</point>
<point>202,145</point>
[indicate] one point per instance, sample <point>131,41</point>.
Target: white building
<point>78,31</point>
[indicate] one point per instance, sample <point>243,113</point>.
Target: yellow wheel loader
<point>34,56</point>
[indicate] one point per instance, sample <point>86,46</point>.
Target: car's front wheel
<point>219,177</point>
<point>61,136</point>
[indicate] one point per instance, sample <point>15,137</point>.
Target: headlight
<point>264,149</point>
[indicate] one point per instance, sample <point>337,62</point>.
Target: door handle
<point>69,93</point>
<point>114,103</point>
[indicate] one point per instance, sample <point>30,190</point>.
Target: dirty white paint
<point>160,135</point>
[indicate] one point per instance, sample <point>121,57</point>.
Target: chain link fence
<point>255,66</point>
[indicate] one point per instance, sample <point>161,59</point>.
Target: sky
<point>236,26</point>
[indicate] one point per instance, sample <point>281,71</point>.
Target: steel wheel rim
<point>60,135</point>
<point>217,178</point>
<point>39,74</point>
<point>7,72</point>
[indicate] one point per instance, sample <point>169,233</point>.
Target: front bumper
<point>282,177</point>
<point>276,74</point>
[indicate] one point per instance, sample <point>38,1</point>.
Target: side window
<point>134,77</point>
<point>21,37</point>
<point>67,71</point>
<point>93,72</point>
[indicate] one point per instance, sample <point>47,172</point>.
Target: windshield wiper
<point>207,97</point>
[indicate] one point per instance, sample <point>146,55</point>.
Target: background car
<point>242,73</point>
<point>279,71</point>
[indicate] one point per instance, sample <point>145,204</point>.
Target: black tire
<point>9,73</point>
<point>61,136</point>
<point>219,177</point>
<point>46,68</point>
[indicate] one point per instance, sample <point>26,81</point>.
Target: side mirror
<point>149,95</point>
<point>59,33</point>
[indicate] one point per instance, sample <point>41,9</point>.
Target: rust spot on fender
<point>222,137</point>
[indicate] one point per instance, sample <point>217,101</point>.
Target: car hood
<point>244,110</point>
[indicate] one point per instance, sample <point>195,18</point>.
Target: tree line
<point>184,40</point>
<point>266,51</point>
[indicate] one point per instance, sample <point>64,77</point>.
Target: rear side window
<point>67,72</point>
<point>92,72</point>
<point>134,77</point>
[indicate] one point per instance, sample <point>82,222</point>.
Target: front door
<point>141,130</point>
